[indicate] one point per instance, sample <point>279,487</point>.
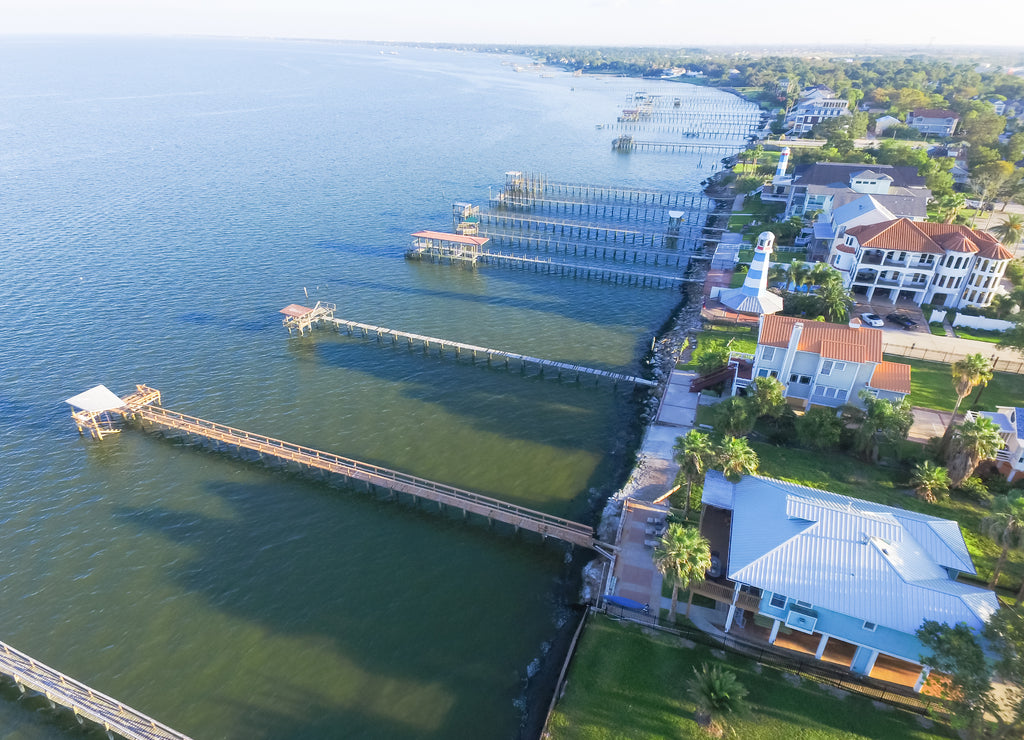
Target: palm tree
<point>973,441</point>
<point>972,370</point>
<point>715,690</point>
<point>930,481</point>
<point>798,273</point>
<point>822,273</point>
<point>682,557</point>
<point>735,458</point>
<point>1010,231</point>
<point>768,397</point>
<point>1005,525</point>
<point>879,421</point>
<point>735,416</point>
<point>835,300</point>
<point>694,453</point>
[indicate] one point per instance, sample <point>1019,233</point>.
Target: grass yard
<point>931,386</point>
<point>938,330</point>
<point>850,476</point>
<point>625,683</point>
<point>992,337</point>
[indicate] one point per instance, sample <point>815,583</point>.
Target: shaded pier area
<point>395,335</point>
<point>356,472</point>
<point>114,717</point>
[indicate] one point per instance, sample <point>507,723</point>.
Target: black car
<point>905,321</point>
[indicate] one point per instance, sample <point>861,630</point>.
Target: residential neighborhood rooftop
<point>833,341</point>
<point>877,563</point>
<point>916,236</point>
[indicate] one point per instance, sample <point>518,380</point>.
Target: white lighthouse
<point>753,296</point>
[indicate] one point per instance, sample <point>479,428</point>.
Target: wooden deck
<point>458,347</point>
<point>373,475</point>
<point>110,714</point>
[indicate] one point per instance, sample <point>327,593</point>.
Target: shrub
<point>975,489</point>
<point>819,429</point>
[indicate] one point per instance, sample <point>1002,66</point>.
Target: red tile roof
<point>891,376</point>
<point>834,341</point>
<point>923,236</point>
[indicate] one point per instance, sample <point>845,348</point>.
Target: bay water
<point>160,201</point>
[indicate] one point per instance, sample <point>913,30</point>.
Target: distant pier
<point>324,314</point>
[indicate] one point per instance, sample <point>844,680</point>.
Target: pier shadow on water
<point>287,564</point>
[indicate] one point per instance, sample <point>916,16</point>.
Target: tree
<point>694,453</point>
<point>711,355</point>
<point>768,397</point>
<point>735,458</point>
<point>835,301</point>
<point>734,416</point>
<point>977,708</point>
<point>1005,525</point>
<point>973,441</point>
<point>799,272</point>
<point>716,691</point>
<point>819,429</point>
<point>682,557</point>
<point>989,178</point>
<point>879,421</point>
<point>930,481</point>
<point>968,372</point>
<point>1010,231</point>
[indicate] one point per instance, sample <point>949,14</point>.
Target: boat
<point>626,603</point>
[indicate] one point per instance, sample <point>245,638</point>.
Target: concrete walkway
<point>635,575</point>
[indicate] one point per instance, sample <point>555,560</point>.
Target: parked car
<point>905,321</point>
<point>872,319</point>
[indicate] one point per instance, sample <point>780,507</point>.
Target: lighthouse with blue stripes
<point>753,296</point>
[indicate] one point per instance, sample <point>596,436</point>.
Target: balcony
<point>724,592</point>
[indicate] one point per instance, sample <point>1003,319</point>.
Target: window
<point>803,604</point>
<point>767,353</point>
<point>830,366</point>
<point>870,626</point>
<point>778,601</point>
<point>827,392</point>
<point>801,379</point>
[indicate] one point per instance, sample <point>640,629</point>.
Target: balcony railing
<point>724,593</point>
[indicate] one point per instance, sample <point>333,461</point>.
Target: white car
<point>872,319</point>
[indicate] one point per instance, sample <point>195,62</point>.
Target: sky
<point>676,23</point>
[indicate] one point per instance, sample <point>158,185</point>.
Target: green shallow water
<point>162,200</point>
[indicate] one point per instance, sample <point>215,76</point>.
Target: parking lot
<point>883,308</point>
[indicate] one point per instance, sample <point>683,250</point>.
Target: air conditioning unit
<point>801,619</point>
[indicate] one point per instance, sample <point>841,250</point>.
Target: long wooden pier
<point>626,143</point>
<point>113,716</point>
<point>380,332</point>
<point>551,267</point>
<point>369,475</point>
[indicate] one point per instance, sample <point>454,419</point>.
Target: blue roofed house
<point>1010,420</point>
<point>845,580</point>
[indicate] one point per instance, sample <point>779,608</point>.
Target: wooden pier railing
<point>493,509</point>
<point>110,714</point>
<point>561,367</point>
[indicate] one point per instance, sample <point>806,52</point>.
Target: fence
<point>810,669</point>
<point>999,364</point>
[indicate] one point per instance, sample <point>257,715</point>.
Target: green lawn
<point>626,684</point>
<point>850,476</point>
<point>992,337</point>
<point>938,330</point>
<point>747,255</point>
<point>931,386</point>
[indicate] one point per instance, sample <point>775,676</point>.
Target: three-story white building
<point>947,265</point>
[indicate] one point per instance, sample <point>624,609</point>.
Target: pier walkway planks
<point>395,335</point>
<point>493,509</point>
<point>110,714</point>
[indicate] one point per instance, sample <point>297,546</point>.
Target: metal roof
<point>96,399</point>
<point>478,241</point>
<point>295,310</point>
<point>869,561</point>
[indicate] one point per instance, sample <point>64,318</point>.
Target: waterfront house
<point>938,121</point>
<point>826,186</point>
<point>1010,420</point>
<point>824,364</point>
<point>948,265</point>
<point>816,104</point>
<point>837,578</point>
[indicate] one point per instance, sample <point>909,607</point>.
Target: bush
<point>710,356</point>
<point>1015,272</point>
<point>819,429</point>
<point>975,489</point>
